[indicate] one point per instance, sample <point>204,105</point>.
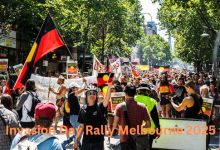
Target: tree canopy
<point>186,20</point>
<point>154,50</point>
<point>100,26</point>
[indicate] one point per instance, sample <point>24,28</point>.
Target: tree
<point>187,20</point>
<point>154,50</point>
<point>100,26</point>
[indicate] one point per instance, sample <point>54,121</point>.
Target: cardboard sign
<point>71,67</point>
<point>116,98</point>
<point>207,106</point>
<point>3,65</point>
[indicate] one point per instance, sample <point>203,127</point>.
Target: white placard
<point>190,139</point>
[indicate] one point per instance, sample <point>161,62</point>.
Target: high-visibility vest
<point>149,103</point>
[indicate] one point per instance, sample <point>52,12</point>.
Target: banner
<point>116,98</point>
<point>97,67</point>
<point>143,67</point>
<point>161,68</point>
<point>43,83</point>
<point>71,67</point>
<point>18,68</point>
<point>182,134</point>
<point>3,65</point>
<point>116,67</point>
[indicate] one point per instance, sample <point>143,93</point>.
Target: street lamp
<point>204,35</point>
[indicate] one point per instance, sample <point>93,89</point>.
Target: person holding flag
<point>48,40</point>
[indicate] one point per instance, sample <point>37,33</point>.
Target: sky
<point>149,7</point>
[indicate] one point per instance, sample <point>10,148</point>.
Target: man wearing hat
<point>143,96</point>
<point>40,135</point>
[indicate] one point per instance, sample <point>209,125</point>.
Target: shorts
<point>164,101</point>
<point>74,121</point>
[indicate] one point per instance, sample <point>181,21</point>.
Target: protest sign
<point>116,98</point>
<point>3,65</point>
<point>207,106</point>
<point>43,83</point>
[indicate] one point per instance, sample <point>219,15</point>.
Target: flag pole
<point>61,37</point>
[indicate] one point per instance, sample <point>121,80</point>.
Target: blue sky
<point>149,7</point>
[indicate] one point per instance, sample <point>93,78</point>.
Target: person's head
<point>3,82</point>
<point>30,85</point>
<point>130,91</point>
<point>204,91</point>
<point>60,80</point>
<point>44,114</point>
<point>190,87</point>
<point>19,91</point>
<point>180,81</point>
<point>212,86</point>
<point>73,87</point>
<point>6,100</point>
<point>136,81</point>
<point>200,81</point>
<point>144,89</point>
<point>164,79</point>
<point>91,97</point>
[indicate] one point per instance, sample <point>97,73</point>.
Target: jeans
<point>74,122</point>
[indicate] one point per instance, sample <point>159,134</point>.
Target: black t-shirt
<point>180,93</point>
<point>73,104</point>
<point>93,117</point>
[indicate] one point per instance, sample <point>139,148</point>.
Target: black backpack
<point>35,101</point>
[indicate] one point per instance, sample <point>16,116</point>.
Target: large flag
<point>134,72</point>
<point>97,67</point>
<point>47,41</point>
<point>116,67</point>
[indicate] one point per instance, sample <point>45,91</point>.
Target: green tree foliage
<point>187,20</point>
<point>154,50</point>
<point>100,26</point>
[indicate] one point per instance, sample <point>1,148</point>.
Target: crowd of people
<point>147,98</point>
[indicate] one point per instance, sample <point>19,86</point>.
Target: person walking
<point>132,114</point>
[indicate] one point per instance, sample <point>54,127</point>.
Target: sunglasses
<point>91,93</point>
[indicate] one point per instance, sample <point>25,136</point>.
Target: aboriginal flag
<point>48,40</point>
<point>103,79</point>
<point>161,68</point>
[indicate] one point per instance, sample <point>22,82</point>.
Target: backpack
<point>35,101</point>
<point>25,144</point>
<point>5,121</point>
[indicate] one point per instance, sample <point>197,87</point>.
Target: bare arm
<point>187,102</point>
<point>115,123</point>
<point>108,95</point>
<point>78,135</point>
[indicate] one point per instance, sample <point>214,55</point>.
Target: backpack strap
<point>5,123</point>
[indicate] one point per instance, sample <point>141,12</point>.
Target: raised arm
<point>108,95</point>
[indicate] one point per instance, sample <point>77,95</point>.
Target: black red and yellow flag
<point>47,41</point>
<point>161,68</point>
<point>103,79</point>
